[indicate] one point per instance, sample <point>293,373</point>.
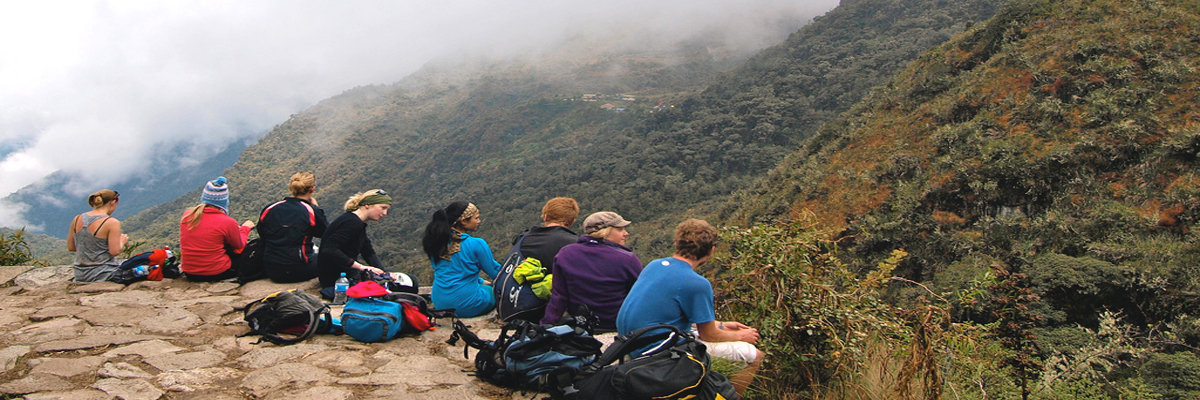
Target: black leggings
<point>228,274</point>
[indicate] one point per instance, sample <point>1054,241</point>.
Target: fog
<point>91,88</point>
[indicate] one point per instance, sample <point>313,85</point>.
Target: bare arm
<point>71,234</point>
<point>730,331</point>
<point>116,239</point>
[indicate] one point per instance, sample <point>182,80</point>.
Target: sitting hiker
<point>669,291</point>
<point>287,229</point>
<point>346,240</point>
<point>543,242</point>
<point>209,237</point>
<point>596,272</point>
<point>96,239</point>
<point>457,259</point>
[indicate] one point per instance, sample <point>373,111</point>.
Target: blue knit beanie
<point>216,193</point>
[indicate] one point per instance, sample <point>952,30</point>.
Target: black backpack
<point>528,355</point>
<point>515,300</point>
<point>287,317</point>
<point>249,264</point>
<point>675,366</point>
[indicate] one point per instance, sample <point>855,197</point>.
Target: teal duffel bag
<point>369,319</point>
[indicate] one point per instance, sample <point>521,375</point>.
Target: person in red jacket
<point>208,236</point>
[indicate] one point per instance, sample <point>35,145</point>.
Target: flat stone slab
<point>284,375</point>
<point>10,354</point>
<point>186,361</point>
<point>139,298</point>
<point>81,394</point>
<point>129,389</point>
<point>7,273</point>
<point>35,383</point>
<point>89,342</point>
<point>122,370</point>
<point>145,349</point>
<point>98,287</point>
<point>169,320</point>
<point>196,379</point>
<point>38,277</point>
<point>267,356</point>
<point>221,287</point>
<point>262,287</point>
<point>55,329</point>
<point>53,312</point>
<point>67,367</point>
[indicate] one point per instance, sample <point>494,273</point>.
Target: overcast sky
<point>85,86</point>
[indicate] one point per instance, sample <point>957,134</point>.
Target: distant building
<point>590,97</point>
<point>608,106</point>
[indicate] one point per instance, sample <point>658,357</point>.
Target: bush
<point>14,250</point>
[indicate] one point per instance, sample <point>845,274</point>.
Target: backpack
<point>249,264</point>
<point>533,356</point>
<point>418,317</point>
<point>676,366</point>
<point>292,312</point>
<point>157,261</point>
<point>372,319</point>
<point>515,300</point>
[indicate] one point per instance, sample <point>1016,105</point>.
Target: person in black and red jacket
<point>287,229</point>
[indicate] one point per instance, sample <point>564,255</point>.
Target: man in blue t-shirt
<point>669,291</point>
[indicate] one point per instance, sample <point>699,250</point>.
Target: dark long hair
<point>438,232</point>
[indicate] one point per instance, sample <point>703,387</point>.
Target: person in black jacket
<point>287,229</point>
<point>346,240</point>
<point>543,242</point>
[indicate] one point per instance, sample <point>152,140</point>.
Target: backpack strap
<point>664,334</point>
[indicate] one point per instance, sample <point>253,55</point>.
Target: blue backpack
<point>369,319</point>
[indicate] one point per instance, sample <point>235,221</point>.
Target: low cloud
<point>93,88</point>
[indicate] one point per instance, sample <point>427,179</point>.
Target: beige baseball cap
<point>601,220</point>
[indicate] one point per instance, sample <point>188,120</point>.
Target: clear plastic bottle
<point>339,289</point>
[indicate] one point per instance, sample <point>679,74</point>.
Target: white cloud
<point>85,88</point>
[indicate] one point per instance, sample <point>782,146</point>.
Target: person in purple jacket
<point>597,271</point>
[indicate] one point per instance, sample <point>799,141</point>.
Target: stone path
<point>176,339</point>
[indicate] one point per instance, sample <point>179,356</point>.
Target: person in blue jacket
<point>457,259</point>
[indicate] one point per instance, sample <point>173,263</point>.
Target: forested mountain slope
<point>509,135</point>
<point>1061,141</point>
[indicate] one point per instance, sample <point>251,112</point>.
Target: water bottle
<point>168,250</point>
<point>141,270</point>
<point>339,289</point>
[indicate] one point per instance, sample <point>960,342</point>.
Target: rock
<point>266,356</point>
<point>122,370</point>
<point>88,342</point>
<point>210,313</point>
<point>144,349</point>
<point>98,287</point>
<point>319,392</point>
<point>68,367</point>
<point>339,361</point>
<point>186,361</point>
<point>52,312</point>
<point>196,379</point>
<point>129,389</point>
<point>168,320</point>
<point>221,287</point>
<point>35,383</point>
<point>123,315</point>
<point>140,298</point>
<point>81,394</point>
<point>291,375</point>
<point>262,287</point>
<point>38,277</point>
<point>55,329</point>
<point>10,354</point>
<point>7,273</point>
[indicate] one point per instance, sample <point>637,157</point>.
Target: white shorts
<point>739,352</point>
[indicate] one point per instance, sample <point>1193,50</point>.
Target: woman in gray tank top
<point>96,239</point>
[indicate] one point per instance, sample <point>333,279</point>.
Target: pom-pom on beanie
<point>216,193</point>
